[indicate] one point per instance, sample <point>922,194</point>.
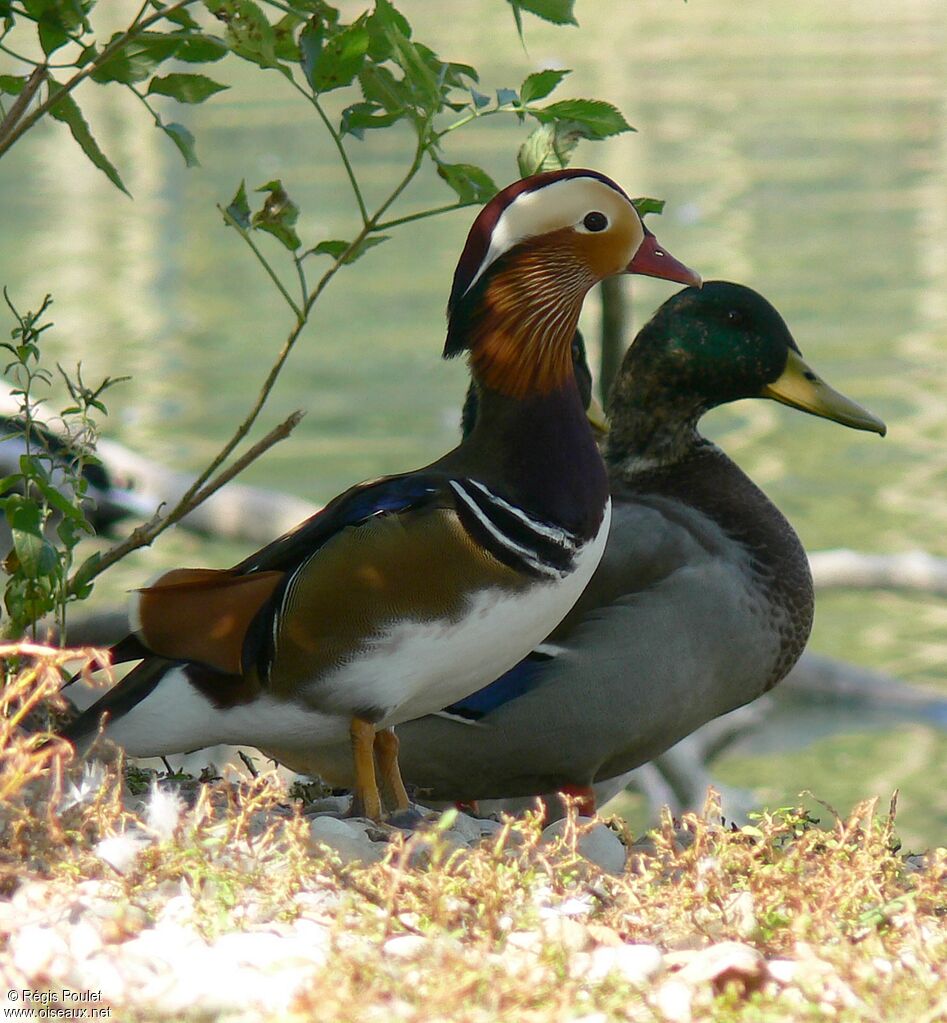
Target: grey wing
<point>629,678</point>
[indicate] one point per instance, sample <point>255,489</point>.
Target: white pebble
<point>350,843</point>
<point>600,845</point>
<point>635,963</point>
<point>674,999</point>
<point>405,946</point>
<point>783,971</point>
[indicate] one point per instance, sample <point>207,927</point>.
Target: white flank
<point>176,718</point>
<point>419,668</point>
<point>414,669</point>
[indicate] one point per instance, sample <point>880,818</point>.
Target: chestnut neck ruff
<point>519,320</point>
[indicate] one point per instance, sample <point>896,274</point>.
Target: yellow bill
<point>801,387</point>
<point>596,417</point>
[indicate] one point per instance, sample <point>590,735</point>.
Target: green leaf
<point>450,74</point>
<point>250,35</point>
<point>507,96</point>
<point>594,117</point>
<point>425,88</point>
<point>88,54</point>
<point>379,85</point>
<point>336,248</point>
<point>559,12</point>
<point>181,17</point>
<point>185,88</point>
<point>278,215</point>
<point>540,84</point>
<point>184,140</point>
<point>24,515</point>
<point>136,60</point>
<point>333,248</point>
<point>645,205</point>
<point>11,84</point>
<point>239,208</point>
<point>338,60</point>
<point>284,35</point>
<point>359,116</point>
<point>67,111</point>
<point>84,575</point>
<point>311,41</point>
<point>383,18</point>
<point>479,100</point>
<point>549,147</point>
<point>471,183</point>
<point>52,32</point>
<point>36,555</point>
<point>201,48</point>
<point>56,499</point>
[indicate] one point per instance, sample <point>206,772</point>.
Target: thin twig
<point>245,235</point>
<point>275,435</point>
<point>197,494</point>
<point>33,83</point>
<point>385,225</point>
<point>342,153</point>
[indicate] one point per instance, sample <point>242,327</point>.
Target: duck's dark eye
<point>595,221</point>
<point>733,316</point>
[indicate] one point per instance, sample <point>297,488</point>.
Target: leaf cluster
<point>45,503</point>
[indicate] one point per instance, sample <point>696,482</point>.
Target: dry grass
<point>788,919</point>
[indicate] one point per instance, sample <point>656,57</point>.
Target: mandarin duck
<point>409,592</point>
<point>702,601</point>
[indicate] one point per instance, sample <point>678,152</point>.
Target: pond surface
<point>802,149</point>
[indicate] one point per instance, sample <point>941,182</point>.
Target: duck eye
<point>595,221</point>
<point>734,317</point>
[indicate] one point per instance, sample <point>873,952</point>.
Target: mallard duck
<point>702,601</point>
<point>411,591</point>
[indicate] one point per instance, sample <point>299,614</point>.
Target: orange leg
<point>366,801</point>
<point>386,749</point>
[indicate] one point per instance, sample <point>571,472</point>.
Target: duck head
<point>531,257</point>
<point>706,347</point>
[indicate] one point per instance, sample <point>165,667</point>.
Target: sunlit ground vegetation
<point>193,900</point>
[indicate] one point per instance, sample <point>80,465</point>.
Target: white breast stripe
<point>527,555</point>
<point>559,536</point>
<point>550,650</point>
<point>458,718</point>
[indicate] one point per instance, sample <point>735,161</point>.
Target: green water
<point>802,149</point>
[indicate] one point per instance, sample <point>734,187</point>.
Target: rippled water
<point>802,149</point>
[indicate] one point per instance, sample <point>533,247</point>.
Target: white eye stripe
<point>564,203</point>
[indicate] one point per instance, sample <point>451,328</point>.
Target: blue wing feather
<point>390,495</point>
<point>520,679</point>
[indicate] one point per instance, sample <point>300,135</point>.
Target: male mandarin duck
<point>409,592</point>
<point>701,603</point>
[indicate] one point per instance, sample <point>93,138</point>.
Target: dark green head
<point>708,346</point>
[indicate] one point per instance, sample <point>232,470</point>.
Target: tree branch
<point>198,492</point>
<point>913,571</point>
